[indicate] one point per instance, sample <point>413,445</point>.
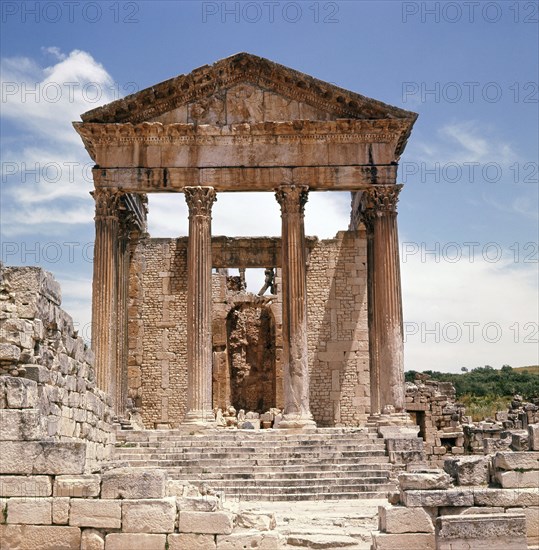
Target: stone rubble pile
<point>477,502</point>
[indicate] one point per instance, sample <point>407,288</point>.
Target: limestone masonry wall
<point>338,331</point>
<point>53,418</point>
<point>337,337</point>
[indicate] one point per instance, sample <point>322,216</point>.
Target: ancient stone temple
<point>174,334</point>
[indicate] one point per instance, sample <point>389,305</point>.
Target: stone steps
<point>270,464</point>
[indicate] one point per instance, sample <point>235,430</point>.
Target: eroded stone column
<point>297,414</point>
<point>104,288</point>
<point>385,300</point>
<point>199,304</point>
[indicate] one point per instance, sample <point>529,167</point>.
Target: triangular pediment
<point>243,88</point>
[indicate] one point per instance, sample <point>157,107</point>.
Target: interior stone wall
<point>337,338</point>
<point>338,329</point>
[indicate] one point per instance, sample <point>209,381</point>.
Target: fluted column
<point>104,291</point>
<point>297,414</point>
<point>385,300</point>
<point>199,301</point>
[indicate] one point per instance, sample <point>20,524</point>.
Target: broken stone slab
<point>105,514</point>
<point>517,461</point>
<point>30,511</point>
<point>519,440</point>
<point>211,523</point>
<point>259,520</point>
<point>533,437</point>
<point>43,457</point>
<point>398,432</point>
<point>415,541</point>
<point>468,470</point>
<point>20,425</point>
<point>149,516</point>
<point>506,497</point>
<point>457,510</point>
<point>192,541</point>
<point>25,486</point>
<point>92,539</point>
<point>207,503</point>
<point>448,497</point>
<point>399,519</point>
<point>491,445</point>
<point>130,541</point>
<point>424,480</point>
<point>515,480</point>
<point>481,532</point>
<point>34,280</point>
<point>39,537</point>
<point>81,486</point>
<point>320,541</point>
<point>133,483</point>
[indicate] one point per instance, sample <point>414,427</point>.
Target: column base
<point>200,418</point>
<point>297,422</point>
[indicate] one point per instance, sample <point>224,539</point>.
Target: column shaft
<point>199,306</point>
<point>387,372</point>
<point>104,293</point>
<point>297,412</point>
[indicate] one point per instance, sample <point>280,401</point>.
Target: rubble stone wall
<point>52,415</point>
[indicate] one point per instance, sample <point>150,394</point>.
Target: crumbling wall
<point>52,415</point>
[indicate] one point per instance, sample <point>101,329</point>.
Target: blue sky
<point>468,215</point>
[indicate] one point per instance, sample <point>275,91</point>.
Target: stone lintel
<point>243,178</point>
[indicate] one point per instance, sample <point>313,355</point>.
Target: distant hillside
<point>487,381</point>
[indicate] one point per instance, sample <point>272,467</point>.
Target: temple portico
<point>162,326</point>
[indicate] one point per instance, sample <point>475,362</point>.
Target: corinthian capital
<point>200,200</point>
<point>292,198</point>
<point>380,199</point>
<point>107,202</point>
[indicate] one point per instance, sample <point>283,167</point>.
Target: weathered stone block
<point>133,483</point>
<point>399,519</point>
<point>506,497</point>
<point>260,541</point>
<point>96,513</point>
<point>30,511</point>
<point>20,424</point>
<point>181,541</point>
<point>43,457</point>
<point>9,352</point>
<point>481,532</point>
<point>533,437</point>
<point>449,497</point>
<point>81,486</point>
<point>517,460</point>
<point>39,537</point>
<point>515,480</point>
<point>149,516</point>
<point>60,510</point>
<point>384,541</point>
<point>20,393</point>
<point>92,539</point>
<point>251,519</point>
<point>519,440</point>
<point>421,481</point>
<point>130,541</point>
<point>207,503</point>
<point>25,486</point>
<point>217,523</point>
<point>468,470</point>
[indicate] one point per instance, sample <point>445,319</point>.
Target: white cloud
<point>469,313</point>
